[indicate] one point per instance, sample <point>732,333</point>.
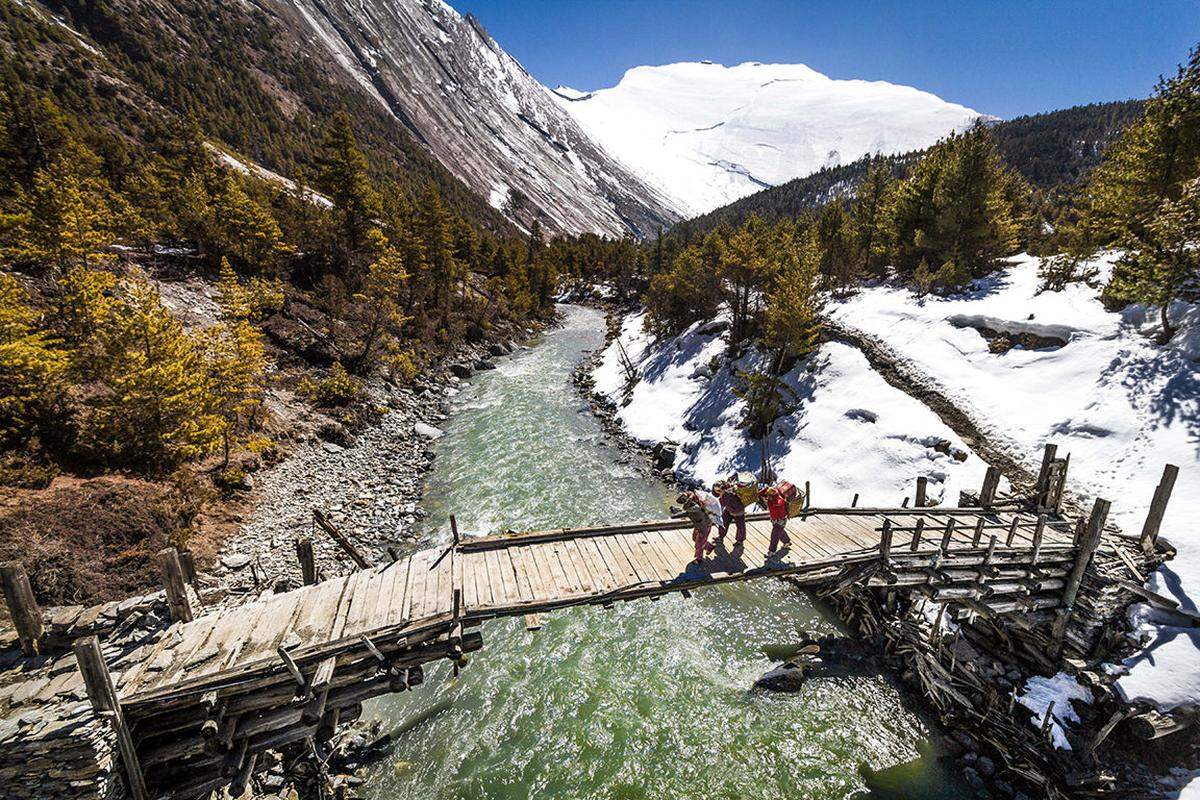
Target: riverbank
<point>674,398</point>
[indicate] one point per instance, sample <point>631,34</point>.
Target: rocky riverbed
<point>368,484</point>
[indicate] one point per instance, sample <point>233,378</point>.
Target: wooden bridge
<point>201,704</point>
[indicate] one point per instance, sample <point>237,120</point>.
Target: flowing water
<point>647,699</point>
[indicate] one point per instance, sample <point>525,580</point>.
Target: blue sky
<point>1005,58</point>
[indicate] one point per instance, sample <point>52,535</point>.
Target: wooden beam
<point>178,602</point>
<point>1048,455</point>
<point>355,554</point>
<point>991,482</point>
<point>922,491</point>
<point>103,697</point>
<point>307,559</point>
<point>1158,507</point>
<point>1083,558</point>
<point>22,607</point>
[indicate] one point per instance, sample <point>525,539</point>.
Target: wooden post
<point>854,502</point>
<point>172,576</point>
<point>1038,532</point>
<point>1012,531</point>
<point>1047,459</point>
<point>104,701</point>
<point>22,606</point>
<point>922,490</point>
<point>308,560</point>
<point>991,482</point>
<point>885,542</point>
<point>1158,507</point>
<point>917,530</point>
<point>978,533</point>
<point>1086,545</point>
<point>454,529</point>
<point>947,535</point>
<point>355,555</point>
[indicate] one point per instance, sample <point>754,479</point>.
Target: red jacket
<point>776,505</point>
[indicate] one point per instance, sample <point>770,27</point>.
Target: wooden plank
<point>591,567</point>
<point>415,601</point>
<point>395,613</point>
<point>467,563</point>
<point>622,543</point>
<point>619,560</point>
<point>549,564</point>
<point>572,582</point>
<point>524,585</point>
<point>351,596</point>
<point>541,581</point>
<point>506,577</point>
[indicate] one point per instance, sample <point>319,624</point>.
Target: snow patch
<point>1060,690</point>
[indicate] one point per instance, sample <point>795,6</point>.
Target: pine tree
<point>1141,198</point>
<point>744,270</point>
<point>434,228</point>
<point>793,326</point>
<point>31,363</point>
<point>689,291</point>
<point>63,220</point>
<point>156,405</point>
<point>242,229</point>
<point>1166,267</point>
<point>378,310</point>
<point>839,262</point>
<point>356,205</point>
<point>235,365</point>
<point>867,219</point>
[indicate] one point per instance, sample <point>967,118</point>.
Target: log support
<point>104,702</point>
<point>922,491</point>
<point>1158,506</point>
<point>22,607</point>
<point>307,559</point>
<point>178,602</point>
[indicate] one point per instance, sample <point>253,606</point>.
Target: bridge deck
<point>526,573</point>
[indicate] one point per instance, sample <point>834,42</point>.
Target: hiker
<point>702,509</point>
<point>733,510</point>
<point>777,506</point>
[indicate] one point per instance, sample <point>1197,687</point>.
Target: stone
<point>460,371</point>
<point>330,447</point>
<point>426,431</point>
<point>986,767</point>
<point>235,560</point>
<point>972,778</point>
<point>497,349</point>
<point>787,677</point>
<point>484,364</point>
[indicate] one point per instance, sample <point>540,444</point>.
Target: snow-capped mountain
<point>480,113</point>
<point>706,134</point>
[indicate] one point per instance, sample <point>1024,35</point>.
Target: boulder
<point>483,364</point>
<point>460,370</point>
<point>664,454</point>
<point>235,560</point>
<point>787,677</point>
<point>426,431</point>
<point>497,349</point>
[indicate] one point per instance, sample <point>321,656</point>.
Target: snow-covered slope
<point>706,134</point>
<point>484,117</point>
<point>852,432</point>
<point>1120,404</point>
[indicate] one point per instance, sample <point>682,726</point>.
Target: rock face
<point>482,115</point>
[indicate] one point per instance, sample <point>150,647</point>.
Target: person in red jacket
<point>777,507</point>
